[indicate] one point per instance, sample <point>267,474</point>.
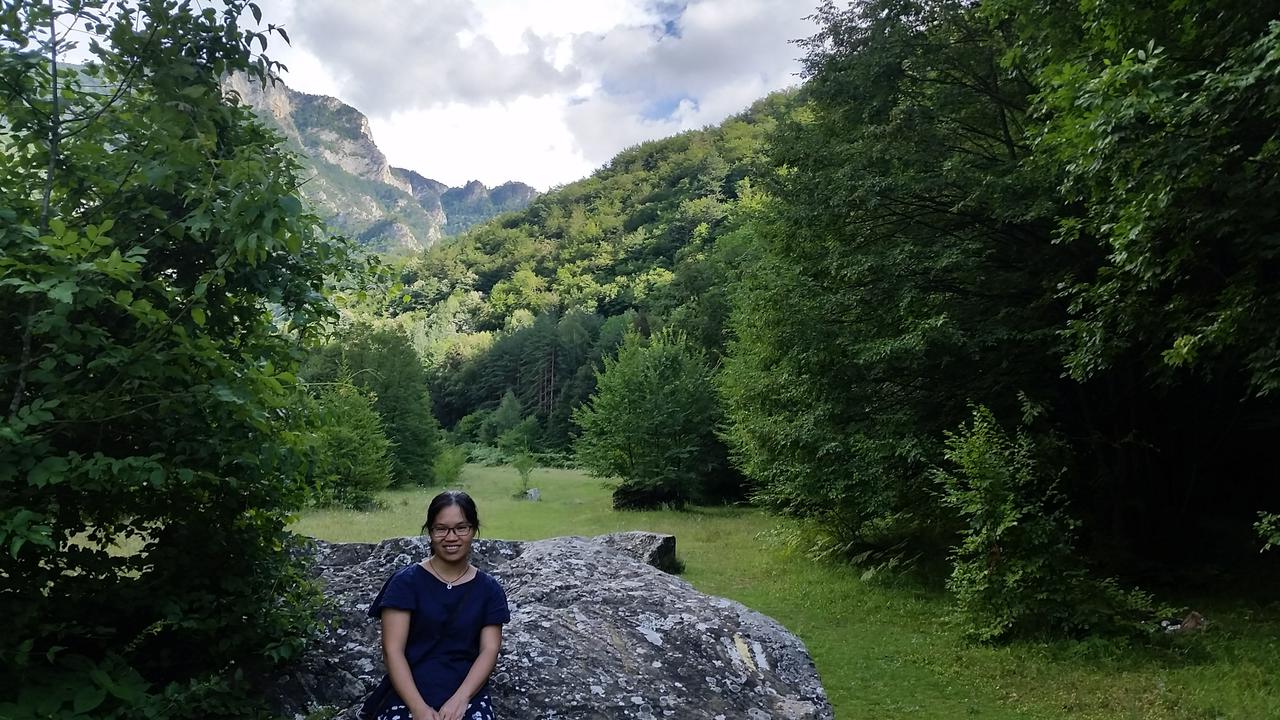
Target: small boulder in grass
<point>1193,621</point>
<point>532,495</point>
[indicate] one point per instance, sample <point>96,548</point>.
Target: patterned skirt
<point>480,708</point>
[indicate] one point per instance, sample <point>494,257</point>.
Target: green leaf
<point>88,697</point>
<point>197,316</point>
<point>48,471</point>
<point>64,291</point>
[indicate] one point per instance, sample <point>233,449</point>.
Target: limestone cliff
<point>352,186</point>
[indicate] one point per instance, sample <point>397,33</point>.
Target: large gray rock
<point>596,632</point>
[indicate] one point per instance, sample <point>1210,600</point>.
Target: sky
<point>540,91</point>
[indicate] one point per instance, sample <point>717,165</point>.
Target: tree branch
<point>54,128</point>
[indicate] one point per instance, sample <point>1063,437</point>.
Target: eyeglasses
<point>440,532</point>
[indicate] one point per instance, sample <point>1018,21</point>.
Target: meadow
<point>885,647</point>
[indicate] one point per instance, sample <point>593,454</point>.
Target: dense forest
<point>994,294</point>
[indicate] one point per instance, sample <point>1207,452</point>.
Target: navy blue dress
<point>473,605</point>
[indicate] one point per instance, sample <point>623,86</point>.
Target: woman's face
<point>451,535</point>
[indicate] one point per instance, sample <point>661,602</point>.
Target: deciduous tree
<point>652,424</point>
<point>160,282</point>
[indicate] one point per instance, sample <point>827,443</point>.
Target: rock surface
<point>596,632</point>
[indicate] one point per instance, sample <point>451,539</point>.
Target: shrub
<point>448,465</point>
<point>520,438</point>
<point>1016,571</point>
<point>1268,528</point>
<point>468,428</point>
<point>555,460</point>
<point>651,422</point>
<point>503,418</point>
<point>160,280</point>
<point>524,464</point>
<point>488,455</point>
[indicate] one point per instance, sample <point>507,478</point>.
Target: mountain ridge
<point>354,188</point>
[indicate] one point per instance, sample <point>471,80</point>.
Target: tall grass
<point>883,651</point>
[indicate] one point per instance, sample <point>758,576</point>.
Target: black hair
<point>452,497</point>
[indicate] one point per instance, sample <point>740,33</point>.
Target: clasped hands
<point>454,709</point>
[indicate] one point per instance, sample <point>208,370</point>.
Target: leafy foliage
<point>352,453</point>
<point>1268,528</point>
<point>1177,120</point>
<point>447,467</point>
<point>896,273</point>
<point>381,361</point>
<point>1016,570</point>
<point>502,420</point>
<point>651,423</point>
<point>985,201</point>
<point>533,302</point>
<point>524,465</point>
<point>160,282</point>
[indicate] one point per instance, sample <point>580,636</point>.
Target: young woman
<point>442,623</point>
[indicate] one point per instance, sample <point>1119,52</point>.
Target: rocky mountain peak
<point>418,184</point>
<point>512,194</point>
<point>354,187</point>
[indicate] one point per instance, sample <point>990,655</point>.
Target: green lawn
<point>882,651</point>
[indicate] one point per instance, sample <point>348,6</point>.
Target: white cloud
<point>390,55</point>
<point>536,90</point>
<point>524,139</point>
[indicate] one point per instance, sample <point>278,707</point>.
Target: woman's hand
<point>424,713</point>
<point>455,708</point>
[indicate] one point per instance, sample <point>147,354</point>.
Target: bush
<point>520,438</point>
<point>488,455</point>
<point>468,428</point>
<point>1268,528</point>
<point>154,309</point>
<point>448,465</point>
<point>555,460</point>
<point>524,464</point>
<point>651,422</point>
<point>1016,571</point>
<point>503,418</point>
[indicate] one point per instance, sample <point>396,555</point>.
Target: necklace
<point>448,584</point>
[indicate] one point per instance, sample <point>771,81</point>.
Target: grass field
<point>883,651</point>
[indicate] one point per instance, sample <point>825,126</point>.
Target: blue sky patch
<point>663,108</point>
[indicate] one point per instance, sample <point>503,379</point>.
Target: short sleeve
<point>496,611</point>
<point>397,592</point>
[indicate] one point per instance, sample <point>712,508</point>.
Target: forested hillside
<point>997,283</point>
<point>529,305</point>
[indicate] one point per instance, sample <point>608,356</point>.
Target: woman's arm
<point>490,644</point>
<point>395,633</point>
